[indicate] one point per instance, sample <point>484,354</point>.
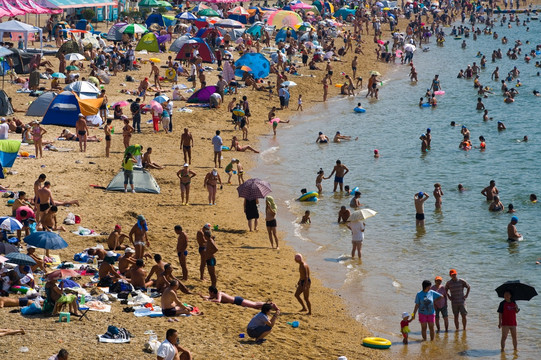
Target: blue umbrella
<point>9,223</point>
<point>20,259</point>
<point>46,240</point>
<point>186,16</point>
<point>161,99</point>
<point>58,75</point>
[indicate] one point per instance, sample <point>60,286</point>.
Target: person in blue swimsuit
<point>340,170</point>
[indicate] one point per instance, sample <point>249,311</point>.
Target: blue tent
<point>8,152</point>
<point>256,30</point>
<point>258,63</point>
<point>160,20</point>
<point>63,110</point>
<point>281,35</point>
<point>240,18</point>
<point>344,13</point>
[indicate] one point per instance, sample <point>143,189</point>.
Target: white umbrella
<point>187,16</point>
<point>133,29</point>
<point>289,83</point>
<point>10,223</point>
<point>360,215</point>
<point>228,23</point>
<point>409,47</point>
<point>74,56</point>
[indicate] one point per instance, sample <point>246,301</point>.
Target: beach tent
<point>177,44</point>
<point>259,65</point>
<point>255,30</point>
<point>14,26</point>
<point>282,34</point>
<point>204,50</point>
<point>143,182</point>
<point>114,33</point>
<point>21,61</point>
<point>69,47</point>
<point>344,13</point>
<point>83,89</point>
<point>234,33</point>
<point>148,42</point>
<point>202,96</point>
<point>161,20</point>
<point>203,33</point>
<point>8,152</point>
<point>5,104</point>
<point>66,106</point>
<point>41,104</point>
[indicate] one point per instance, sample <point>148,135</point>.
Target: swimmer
<point>511,209</point>
<point>320,177</point>
<point>525,138</point>
<point>461,188</point>
<point>338,137</point>
<point>533,198</point>
<point>480,105</point>
<point>501,126</point>
<point>483,144</point>
<point>486,117</point>
<point>453,123</point>
<point>376,153</point>
<point>512,233</point>
<point>536,93</point>
<point>421,102</point>
<point>322,138</point>
<point>359,107</point>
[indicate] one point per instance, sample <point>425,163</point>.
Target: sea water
<point>464,235</point>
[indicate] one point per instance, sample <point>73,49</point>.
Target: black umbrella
<point>20,259</point>
<point>6,248</point>
<point>519,290</point>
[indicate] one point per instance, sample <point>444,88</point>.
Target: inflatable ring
<point>170,74</point>
<point>225,148</point>
<point>354,190</point>
<point>359,110</point>
<point>426,105</point>
<point>11,201</point>
<point>439,92</point>
<point>376,343</point>
<point>311,196</point>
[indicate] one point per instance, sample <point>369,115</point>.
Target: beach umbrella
<point>374,72</point>
<point>284,18</point>
<point>58,75</point>
<point>46,240</point>
<point>409,47</point>
<point>301,5</point>
<point>165,4</point>
<point>6,248</point>
<point>148,3</point>
<point>289,83</point>
<point>239,10</point>
<point>519,290</point>
<point>121,103</point>
<point>238,112</point>
<point>254,189</point>
<point>362,214</point>
<point>229,23</point>
<point>133,29</point>
<point>161,99</point>
<point>62,274</point>
<point>208,12</point>
<point>3,259</point>
<point>74,56</point>
<point>154,105</point>
<point>72,68</point>
<point>305,26</point>
<point>9,223</point>
<point>186,16</point>
<point>20,259</point>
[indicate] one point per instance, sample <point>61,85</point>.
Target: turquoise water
<point>464,235</point>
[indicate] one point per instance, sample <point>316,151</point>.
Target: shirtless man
<point>512,233</point>
<point>82,132</point>
<point>166,277</point>
<point>438,193</point>
<point>419,200</point>
<point>338,137</point>
<point>186,143</point>
<point>171,304</point>
<point>147,161</point>
<point>156,71</point>
<point>107,272</point>
<point>223,298</point>
<point>210,260</point>
<point>138,237</point>
<point>138,276</point>
<point>143,87</point>
<point>182,245</point>
<point>202,249</point>
<point>40,263</point>
<point>49,222</point>
<point>125,262</point>
<point>44,200</point>
<point>14,302</point>
<point>95,251</point>
<point>303,286</point>
<point>157,269</point>
<point>490,191</point>
<point>115,239</point>
<point>341,171</point>
<point>322,138</point>
<point>343,214</point>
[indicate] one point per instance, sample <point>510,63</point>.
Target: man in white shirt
<point>4,129</point>
<point>170,347</point>
<point>217,142</point>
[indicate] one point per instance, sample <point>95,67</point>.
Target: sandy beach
<point>246,265</point>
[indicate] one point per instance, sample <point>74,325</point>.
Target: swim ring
<point>170,74</point>
<point>376,343</point>
<point>225,148</point>
<point>311,196</point>
<point>439,92</point>
<point>359,110</point>
<point>458,37</point>
<point>426,105</point>
<point>354,190</point>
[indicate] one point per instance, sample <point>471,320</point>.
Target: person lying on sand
<point>221,297</point>
<point>69,136</point>
<point>14,302</point>
<point>5,332</point>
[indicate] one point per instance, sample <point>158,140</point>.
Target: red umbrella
<point>121,103</point>
<point>62,274</point>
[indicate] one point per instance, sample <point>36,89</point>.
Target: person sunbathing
<point>69,136</point>
<point>15,302</point>
<point>5,332</point>
<point>164,278</point>
<point>223,298</point>
<point>235,145</point>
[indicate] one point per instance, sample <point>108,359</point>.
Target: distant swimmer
<point>438,194</point>
<point>536,93</point>
<point>419,201</point>
<point>533,198</point>
<point>424,143</point>
<point>343,214</point>
<point>461,188</point>
<point>511,209</point>
<point>339,137</point>
<point>496,205</point>
<point>480,105</point>
<point>483,144</point>
<point>512,232</point>
<point>490,191</point>
<point>486,117</point>
<point>501,126</point>
<point>322,138</point>
<point>376,153</point>
<point>359,108</point>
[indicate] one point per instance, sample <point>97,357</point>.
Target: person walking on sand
<point>303,285</point>
<point>211,183</point>
<point>107,129</point>
<point>438,193</point>
<point>252,213</point>
<point>454,289</point>
<point>82,132</point>
<point>182,252</point>
<point>325,83</point>
<point>217,142</point>
<point>419,200</point>
<point>270,218</point>
<point>186,144</point>
<point>156,71</point>
<point>127,131</point>
<point>185,175</point>
<point>341,171</point>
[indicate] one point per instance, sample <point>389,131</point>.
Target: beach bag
<point>33,309</point>
<point>70,219</point>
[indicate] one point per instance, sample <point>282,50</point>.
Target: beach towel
<point>55,258</point>
<point>98,306</point>
<point>144,311</point>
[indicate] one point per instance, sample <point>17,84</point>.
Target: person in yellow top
<point>127,165</point>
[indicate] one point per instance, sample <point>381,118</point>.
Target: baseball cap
<point>30,247</point>
<point>452,272</point>
<point>129,250</point>
<point>186,165</point>
<point>117,227</point>
<point>206,226</point>
<point>405,314</point>
<point>438,278</point>
<point>110,254</point>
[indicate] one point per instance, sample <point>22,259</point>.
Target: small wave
<point>297,231</point>
<point>269,151</point>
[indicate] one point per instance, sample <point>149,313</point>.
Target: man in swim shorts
<point>343,214</point>
<point>223,298</point>
<point>340,170</point>
<point>303,285</point>
<point>182,245</point>
<point>210,260</point>
<point>419,200</point>
<point>170,303</point>
<point>44,199</point>
<point>186,143</point>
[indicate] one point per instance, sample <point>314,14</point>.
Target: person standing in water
<point>436,84</point>
<point>512,233</point>
<point>303,285</point>
<point>341,171</point>
<point>438,193</point>
<point>490,191</point>
<point>419,200</point>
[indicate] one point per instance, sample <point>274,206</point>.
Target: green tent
<point>148,42</point>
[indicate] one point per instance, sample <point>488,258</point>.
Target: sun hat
<point>405,314</point>
<point>129,250</point>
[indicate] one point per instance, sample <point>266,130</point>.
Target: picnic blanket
<point>98,306</point>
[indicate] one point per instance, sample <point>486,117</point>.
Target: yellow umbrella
<point>155,60</point>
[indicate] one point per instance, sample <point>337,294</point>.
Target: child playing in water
<point>320,177</point>
<point>299,106</point>
<point>306,218</point>
<point>404,328</point>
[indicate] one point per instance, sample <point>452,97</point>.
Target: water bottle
<point>149,292</point>
<point>130,298</point>
<point>95,261</point>
<point>83,300</point>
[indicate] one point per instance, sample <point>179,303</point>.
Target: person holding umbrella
<point>507,319</point>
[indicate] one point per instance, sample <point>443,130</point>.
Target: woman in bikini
<point>235,145</point>
<point>185,175</point>
<point>127,130</point>
<point>69,136</point>
<point>37,134</point>
<point>211,182</point>
<point>138,237</point>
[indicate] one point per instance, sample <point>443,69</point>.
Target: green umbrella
<point>133,29</point>
<point>164,4</point>
<point>208,12</point>
<point>148,3</point>
<point>72,68</point>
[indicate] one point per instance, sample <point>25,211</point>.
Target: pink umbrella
<point>121,103</point>
<point>42,9</point>
<point>301,5</point>
<point>14,11</point>
<point>154,105</point>
<point>3,12</point>
<point>23,7</point>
